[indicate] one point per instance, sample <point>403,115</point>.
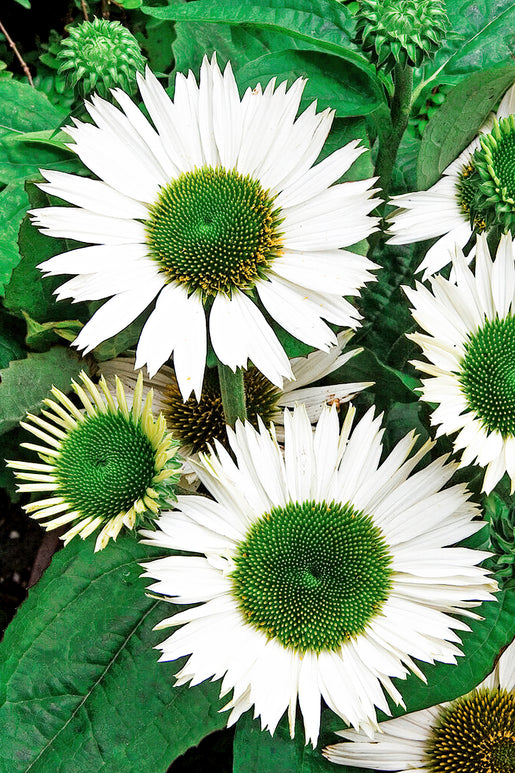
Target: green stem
<point>390,136</point>
<point>233,393</point>
<point>390,129</point>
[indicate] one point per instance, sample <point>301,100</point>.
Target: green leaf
<point>11,339</point>
<point>482,36</point>
<point>13,207</point>
<point>259,752</point>
<point>130,4</point>
<point>28,291</point>
<point>24,3</point>
<point>41,336</point>
<point>335,82</point>
<point>25,383</point>
<point>480,648</point>
<point>81,685</point>
<point>459,119</point>
<point>323,23</point>
<point>24,109</point>
<point>237,44</point>
<point>50,137</point>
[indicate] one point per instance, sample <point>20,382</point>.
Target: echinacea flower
<point>105,464</point>
<point>472,734</point>
<point>320,574</point>
<point>469,343</point>
<point>215,214</point>
<point>445,209</point>
<point>195,424</point>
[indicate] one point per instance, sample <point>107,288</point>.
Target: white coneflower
<point>216,214</point>
<point>473,734</point>
<point>445,209</point>
<point>321,574</point>
<point>105,464</point>
<point>470,345</point>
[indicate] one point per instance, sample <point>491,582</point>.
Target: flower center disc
<point>199,423</point>
<point>501,155</point>
<point>214,230</point>
<point>311,574</point>
<point>488,375</point>
<point>106,463</point>
<point>475,734</point>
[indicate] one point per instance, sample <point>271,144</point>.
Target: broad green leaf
<point>80,683</point>
<point>24,109</point>
<point>259,752</point>
<point>334,82</point>
<point>237,44</point>
<point>25,383</point>
<point>323,23</point>
<point>28,291</point>
<point>24,3</point>
<point>482,36</point>
<point>459,119</point>
<point>13,207</point>
<point>131,4</point>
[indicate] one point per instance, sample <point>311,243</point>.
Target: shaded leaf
<point>25,383</point>
<point>13,206</point>
<point>333,81</point>
<point>323,23</point>
<point>81,686</point>
<point>28,291</point>
<point>459,119</point>
<point>25,109</point>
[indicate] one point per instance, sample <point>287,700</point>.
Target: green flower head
<point>405,32</point>
<point>101,55</point>
<point>104,464</point>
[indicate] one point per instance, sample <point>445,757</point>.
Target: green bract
<point>405,32</point>
<point>101,55</point>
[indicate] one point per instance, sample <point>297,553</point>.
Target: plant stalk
<point>390,136</point>
<point>233,393</point>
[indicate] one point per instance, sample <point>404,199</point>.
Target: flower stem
<point>233,393</point>
<point>390,135</point>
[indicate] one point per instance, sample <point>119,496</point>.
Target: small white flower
<point>443,210</point>
<point>195,423</point>
<point>216,214</point>
<point>473,734</point>
<point>324,572</point>
<point>471,351</point>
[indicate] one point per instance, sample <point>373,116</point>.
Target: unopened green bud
<point>100,55</point>
<point>405,32</point>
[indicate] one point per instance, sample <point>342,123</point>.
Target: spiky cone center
<point>105,464</point>
<point>195,423</point>
<point>405,32</point>
<point>214,230</point>
<point>495,180</point>
<point>487,375</point>
<point>100,55</point>
<point>311,575</point>
<point>467,188</point>
<point>475,734</point>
